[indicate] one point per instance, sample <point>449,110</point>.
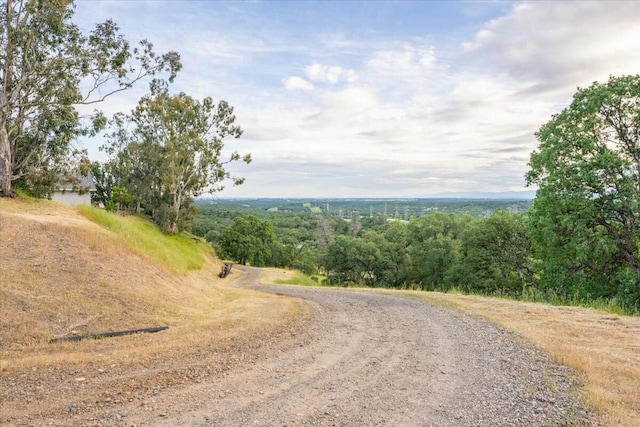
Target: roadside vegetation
<point>177,253</point>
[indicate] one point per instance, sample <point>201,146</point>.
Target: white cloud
<point>407,60</point>
<point>351,101</point>
<point>383,113</point>
<point>557,44</point>
<point>297,83</point>
<point>332,75</point>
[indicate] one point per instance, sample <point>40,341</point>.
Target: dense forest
<point>480,247</point>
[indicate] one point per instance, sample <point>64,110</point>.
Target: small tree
<point>120,199</point>
<point>247,240</point>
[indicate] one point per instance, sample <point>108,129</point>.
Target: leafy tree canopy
<point>47,68</point>
<point>584,220</point>
<point>247,240</point>
<point>169,150</point>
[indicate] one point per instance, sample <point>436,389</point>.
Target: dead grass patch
<point>62,274</point>
<point>272,275</point>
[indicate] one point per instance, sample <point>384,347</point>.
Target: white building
<point>75,194</point>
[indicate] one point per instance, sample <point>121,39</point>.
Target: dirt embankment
<point>61,274</point>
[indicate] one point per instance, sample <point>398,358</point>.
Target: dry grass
<point>62,274</point>
<point>273,275</point>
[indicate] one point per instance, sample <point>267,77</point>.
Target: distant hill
<point>503,195</point>
<point>400,208</point>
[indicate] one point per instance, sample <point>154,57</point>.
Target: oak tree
<point>585,216</point>
<point>247,240</point>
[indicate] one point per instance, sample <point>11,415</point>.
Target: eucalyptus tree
<point>585,216</point>
<point>176,143</point>
<point>48,67</point>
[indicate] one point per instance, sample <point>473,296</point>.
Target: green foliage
<point>120,198</point>
<point>177,253</point>
<point>490,256</point>
<point>104,184</point>
<point>391,269</point>
<point>584,220</point>
<point>433,249</point>
<point>46,62</point>
<point>247,240</point>
<point>495,257</point>
<point>169,150</point>
<point>352,260</point>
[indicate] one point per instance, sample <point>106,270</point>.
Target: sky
<point>393,99</point>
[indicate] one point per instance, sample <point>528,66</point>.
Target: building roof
<point>85,183</point>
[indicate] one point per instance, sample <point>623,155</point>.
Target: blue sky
<point>381,99</point>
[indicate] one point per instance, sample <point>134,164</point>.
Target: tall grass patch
<point>176,253</point>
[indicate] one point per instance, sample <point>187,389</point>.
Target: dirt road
<point>377,360</point>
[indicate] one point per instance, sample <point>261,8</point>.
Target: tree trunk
<point>6,162</point>
<point>6,165</point>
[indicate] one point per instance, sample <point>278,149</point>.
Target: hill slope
<point>62,274</point>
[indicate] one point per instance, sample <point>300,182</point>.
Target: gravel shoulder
<point>378,360</point>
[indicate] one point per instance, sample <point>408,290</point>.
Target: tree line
<point>432,252</point>
<point>579,242</point>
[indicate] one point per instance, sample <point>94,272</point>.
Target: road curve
<point>379,360</point>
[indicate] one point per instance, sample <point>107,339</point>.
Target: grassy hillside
<point>177,254</point>
<point>65,271</point>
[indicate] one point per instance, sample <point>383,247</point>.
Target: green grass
<point>612,305</point>
<point>300,280</point>
<point>177,253</point>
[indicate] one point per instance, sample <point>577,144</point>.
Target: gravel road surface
<point>379,360</point>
